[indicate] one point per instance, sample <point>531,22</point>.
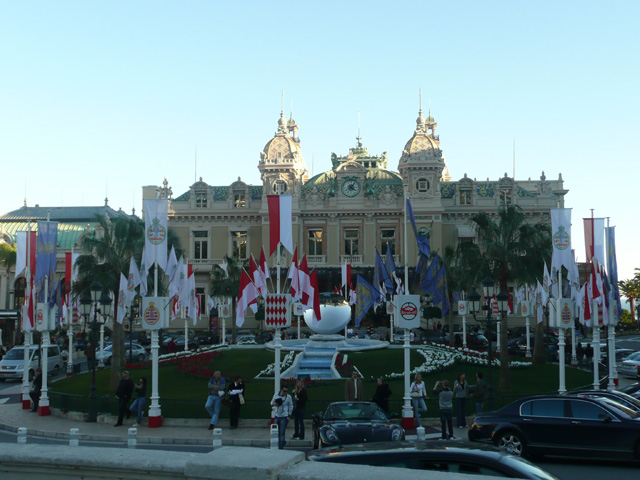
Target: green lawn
<point>184,396</point>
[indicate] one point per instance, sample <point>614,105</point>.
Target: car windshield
<point>355,411</point>
<point>618,407</point>
<point>521,465</point>
<point>633,356</point>
<point>15,354</point>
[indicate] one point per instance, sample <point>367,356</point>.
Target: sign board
<point>407,312</point>
<point>564,313</point>
<point>45,318</point>
<point>298,309</point>
<point>525,308</point>
<point>391,308</point>
<point>277,310</point>
<point>155,313</point>
<point>224,310</point>
<point>463,307</point>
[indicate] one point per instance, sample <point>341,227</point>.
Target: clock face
<point>350,188</point>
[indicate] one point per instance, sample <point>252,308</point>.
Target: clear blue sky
<point>101,98</point>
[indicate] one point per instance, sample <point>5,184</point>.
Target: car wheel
<point>141,358</point>
<point>512,442</point>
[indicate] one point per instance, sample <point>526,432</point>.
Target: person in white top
<point>418,394</point>
<point>283,406</point>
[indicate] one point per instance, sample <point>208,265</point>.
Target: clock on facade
<point>350,187</point>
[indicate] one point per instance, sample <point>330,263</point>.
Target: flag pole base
<point>43,411</point>
<point>154,422</point>
<point>26,404</point>
<point>408,421</point>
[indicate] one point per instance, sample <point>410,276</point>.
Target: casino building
<point>343,214</point>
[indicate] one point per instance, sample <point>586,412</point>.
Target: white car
<point>631,366</point>
<point>139,353</point>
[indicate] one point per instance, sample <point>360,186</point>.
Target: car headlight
<point>331,435</point>
<point>20,367</point>
<point>396,434</point>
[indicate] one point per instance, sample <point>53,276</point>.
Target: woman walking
<point>138,404</point>
<point>460,392</point>
<point>418,394</point>
<point>300,397</point>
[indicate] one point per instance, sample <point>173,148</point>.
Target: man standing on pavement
<point>353,388</point>
<point>283,405</point>
<point>216,392</point>
<point>478,390</point>
<point>123,394</point>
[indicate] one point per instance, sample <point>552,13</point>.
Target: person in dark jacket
<point>36,389</point>
<point>381,397</point>
<point>300,396</point>
<point>236,395</point>
<point>123,394</point>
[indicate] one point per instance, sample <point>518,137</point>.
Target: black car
<point>568,425</point>
<point>353,422</point>
<point>633,390</point>
<point>455,457</point>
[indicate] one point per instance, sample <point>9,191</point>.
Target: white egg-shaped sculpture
<point>335,314</point>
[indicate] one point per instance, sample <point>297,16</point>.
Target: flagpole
<point>527,322</point>
<point>155,414</point>
<point>407,410</point>
<point>70,321</point>
<point>277,345</point>
<point>28,338</point>
<point>562,389</point>
<point>611,331</point>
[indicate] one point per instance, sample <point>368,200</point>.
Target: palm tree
<point>226,283</point>
<point>7,255</point>
<point>512,251</point>
<point>107,253</point>
<point>631,290</point>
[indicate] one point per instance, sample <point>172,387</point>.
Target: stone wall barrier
<point>74,437</point>
<point>22,435</point>
<point>217,438</point>
<point>133,438</point>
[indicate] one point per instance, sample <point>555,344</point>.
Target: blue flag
<point>381,276</point>
<point>390,264</point>
<point>433,281</point>
<point>46,256</point>
<point>366,296</point>
<point>423,241</point>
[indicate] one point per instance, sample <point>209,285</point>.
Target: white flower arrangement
<point>286,362</point>
<point>438,357</point>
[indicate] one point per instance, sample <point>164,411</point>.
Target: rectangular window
<point>314,246</point>
<point>351,240</point>
<point>465,197</point>
<point>387,237</point>
<point>505,196</point>
<point>239,244</point>
<point>200,245</point>
<point>239,200</point>
<point>200,292</point>
<point>201,200</point>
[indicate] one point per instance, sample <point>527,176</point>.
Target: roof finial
<point>282,111</point>
<point>421,101</point>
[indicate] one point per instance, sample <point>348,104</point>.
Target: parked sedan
<point>434,456</point>
<point>562,425</point>
<point>353,422</point>
<point>631,366</point>
<point>139,353</point>
<point>620,397</point>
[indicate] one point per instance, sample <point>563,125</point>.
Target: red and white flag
<point>294,277</point>
<point>594,239</point>
<point>280,223</point>
<point>247,296</point>
<point>256,276</point>
<point>346,275</point>
<point>315,298</point>
<point>25,243</point>
<point>306,290</point>
<point>263,267</point>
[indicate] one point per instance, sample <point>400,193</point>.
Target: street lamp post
<point>100,304</point>
<point>488,322</point>
<point>132,311</point>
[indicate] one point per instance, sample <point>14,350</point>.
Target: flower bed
<point>286,362</point>
<point>439,357</point>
